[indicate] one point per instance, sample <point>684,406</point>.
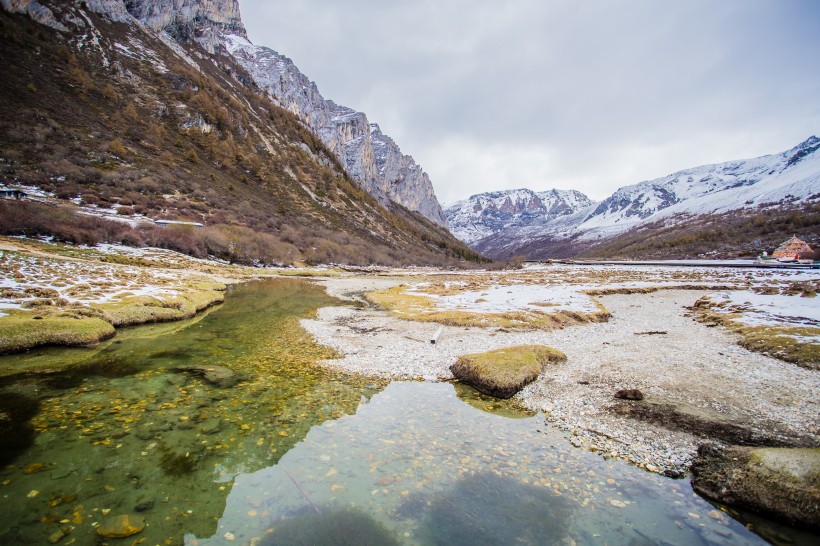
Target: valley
<point>234,311</point>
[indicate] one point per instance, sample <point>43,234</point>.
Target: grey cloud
<point>585,93</point>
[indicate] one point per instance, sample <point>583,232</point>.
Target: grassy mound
<point>144,309</point>
<point>50,322</point>
<point>22,330</point>
<point>504,372</point>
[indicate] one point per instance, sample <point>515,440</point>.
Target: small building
<point>793,248</point>
<point>12,194</point>
<point>178,223</point>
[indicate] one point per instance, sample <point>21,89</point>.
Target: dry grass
<point>775,341</point>
<point>503,372</point>
<point>423,309</point>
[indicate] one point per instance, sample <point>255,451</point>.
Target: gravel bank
<point>696,371</point>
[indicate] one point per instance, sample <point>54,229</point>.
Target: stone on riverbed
<point>629,394</point>
<point>783,483</point>
<point>218,376</point>
<point>504,372</point>
<point>121,526</point>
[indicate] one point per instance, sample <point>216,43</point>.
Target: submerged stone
<point>345,527</point>
<point>121,526</point>
<point>218,376</point>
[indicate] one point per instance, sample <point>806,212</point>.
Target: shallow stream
<point>286,452</point>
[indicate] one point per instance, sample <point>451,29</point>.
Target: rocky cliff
<point>372,158</point>
<point>204,21</point>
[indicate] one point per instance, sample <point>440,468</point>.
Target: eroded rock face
<point>35,10</point>
<point>114,9</point>
<point>370,157</point>
<point>782,483</point>
<point>403,180</point>
<point>185,20</point>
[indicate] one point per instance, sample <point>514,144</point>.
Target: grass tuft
<point>504,372</point>
<point>23,330</point>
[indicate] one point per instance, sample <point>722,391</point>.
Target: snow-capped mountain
<point>485,214</point>
<point>791,177</point>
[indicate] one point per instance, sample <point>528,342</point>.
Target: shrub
<point>117,148</point>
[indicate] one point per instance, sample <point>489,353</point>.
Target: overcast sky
<point>588,95</point>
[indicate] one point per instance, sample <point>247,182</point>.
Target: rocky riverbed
<point>697,383</point>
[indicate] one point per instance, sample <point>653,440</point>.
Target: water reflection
<point>490,404</point>
<point>434,470</point>
<point>488,509</point>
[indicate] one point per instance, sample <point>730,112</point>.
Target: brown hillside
<point>166,139</point>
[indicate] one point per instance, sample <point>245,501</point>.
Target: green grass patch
<point>22,330</point>
<point>504,372</point>
<point>145,309</point>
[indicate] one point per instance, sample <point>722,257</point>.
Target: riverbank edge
<point>52,324</point>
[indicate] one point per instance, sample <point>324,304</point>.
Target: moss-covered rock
<point>782,483</point>
<point>22,330</point>
<point>504,372</point>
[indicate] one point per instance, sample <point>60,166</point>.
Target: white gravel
<point>700,370</point>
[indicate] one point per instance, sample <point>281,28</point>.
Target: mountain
<point>147,109</point>
<point>372,158</point>
<point>677,215</point>
<point>486,214</point>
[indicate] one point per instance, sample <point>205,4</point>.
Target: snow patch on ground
<point>521,297</point>
<point>769,309</point>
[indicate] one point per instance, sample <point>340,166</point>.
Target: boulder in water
<point>218,376</point>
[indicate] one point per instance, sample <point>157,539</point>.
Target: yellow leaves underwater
<point>118,431</point>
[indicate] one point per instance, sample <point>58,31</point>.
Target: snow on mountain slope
<point>485,214</point>
<point>789,177</point>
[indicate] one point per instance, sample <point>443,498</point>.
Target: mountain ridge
<point>486,214</point>
<point>348,133</point>
<point>785,180</point>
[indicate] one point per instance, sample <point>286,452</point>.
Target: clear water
<point>294,454</point>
